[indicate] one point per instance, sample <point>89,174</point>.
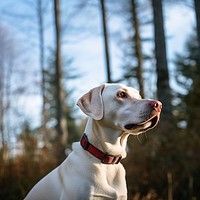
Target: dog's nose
<point>157,105</point>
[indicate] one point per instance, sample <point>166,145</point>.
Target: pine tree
<point>68,107</point>
<point>188,77</point>
<point>133,56</point>
<point>188,115</point>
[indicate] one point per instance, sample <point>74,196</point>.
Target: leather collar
<point>104,157</point>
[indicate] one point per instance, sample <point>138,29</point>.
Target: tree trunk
<point>61,127</point>
<point>2,107</point>
<point>197,11</point>
<point>103,13</point>
<point>163,89</point>
<point>138,48</point>
<point>166,125</point>
<point>3,142</point>
<point>41,48</point>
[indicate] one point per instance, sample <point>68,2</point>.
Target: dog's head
<point>120,107</point>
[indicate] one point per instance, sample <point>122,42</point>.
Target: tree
<point>133,55</point>
<point>38,10</point>
<point>163,88</point>
<point>69,73</point>
<point>61,120</point>
<point>164,95</point>
<point>7,59</point>
<point>138,47</point>
<point>40,13</point>
<point>106,43</point>
<point>187,76</point>
<point>197,11</point>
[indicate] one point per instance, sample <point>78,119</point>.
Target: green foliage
<point>188,77</point>
<point>68,74</point>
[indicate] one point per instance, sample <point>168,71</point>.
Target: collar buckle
<point>109,159</point>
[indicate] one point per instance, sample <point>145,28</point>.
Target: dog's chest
<point>96,180</point>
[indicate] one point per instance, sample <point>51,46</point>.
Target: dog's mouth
<point>144,126</point>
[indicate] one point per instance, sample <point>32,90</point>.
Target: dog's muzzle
<point>151,118</point>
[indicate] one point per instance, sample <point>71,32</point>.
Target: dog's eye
<point>122,95</point>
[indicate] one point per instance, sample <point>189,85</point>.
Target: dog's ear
<point>91,103</point>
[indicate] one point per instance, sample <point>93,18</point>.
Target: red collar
<point>104,157</point>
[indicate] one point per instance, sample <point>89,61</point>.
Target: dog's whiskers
<point>139,139</point>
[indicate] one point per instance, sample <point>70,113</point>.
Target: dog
<point>93,169</point>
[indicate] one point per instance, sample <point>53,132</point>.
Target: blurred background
<point>53,51</point>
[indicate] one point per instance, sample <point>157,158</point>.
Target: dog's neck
<point>106,139</point>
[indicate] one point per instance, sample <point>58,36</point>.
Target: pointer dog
<point>93,169</point>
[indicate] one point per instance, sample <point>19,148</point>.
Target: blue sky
<point>88,53</point>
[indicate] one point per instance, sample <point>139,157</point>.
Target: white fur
<point>82,176</point>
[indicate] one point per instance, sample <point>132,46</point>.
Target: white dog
<point>93,169</point>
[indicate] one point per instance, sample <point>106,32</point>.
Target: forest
<point>53,51</point>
